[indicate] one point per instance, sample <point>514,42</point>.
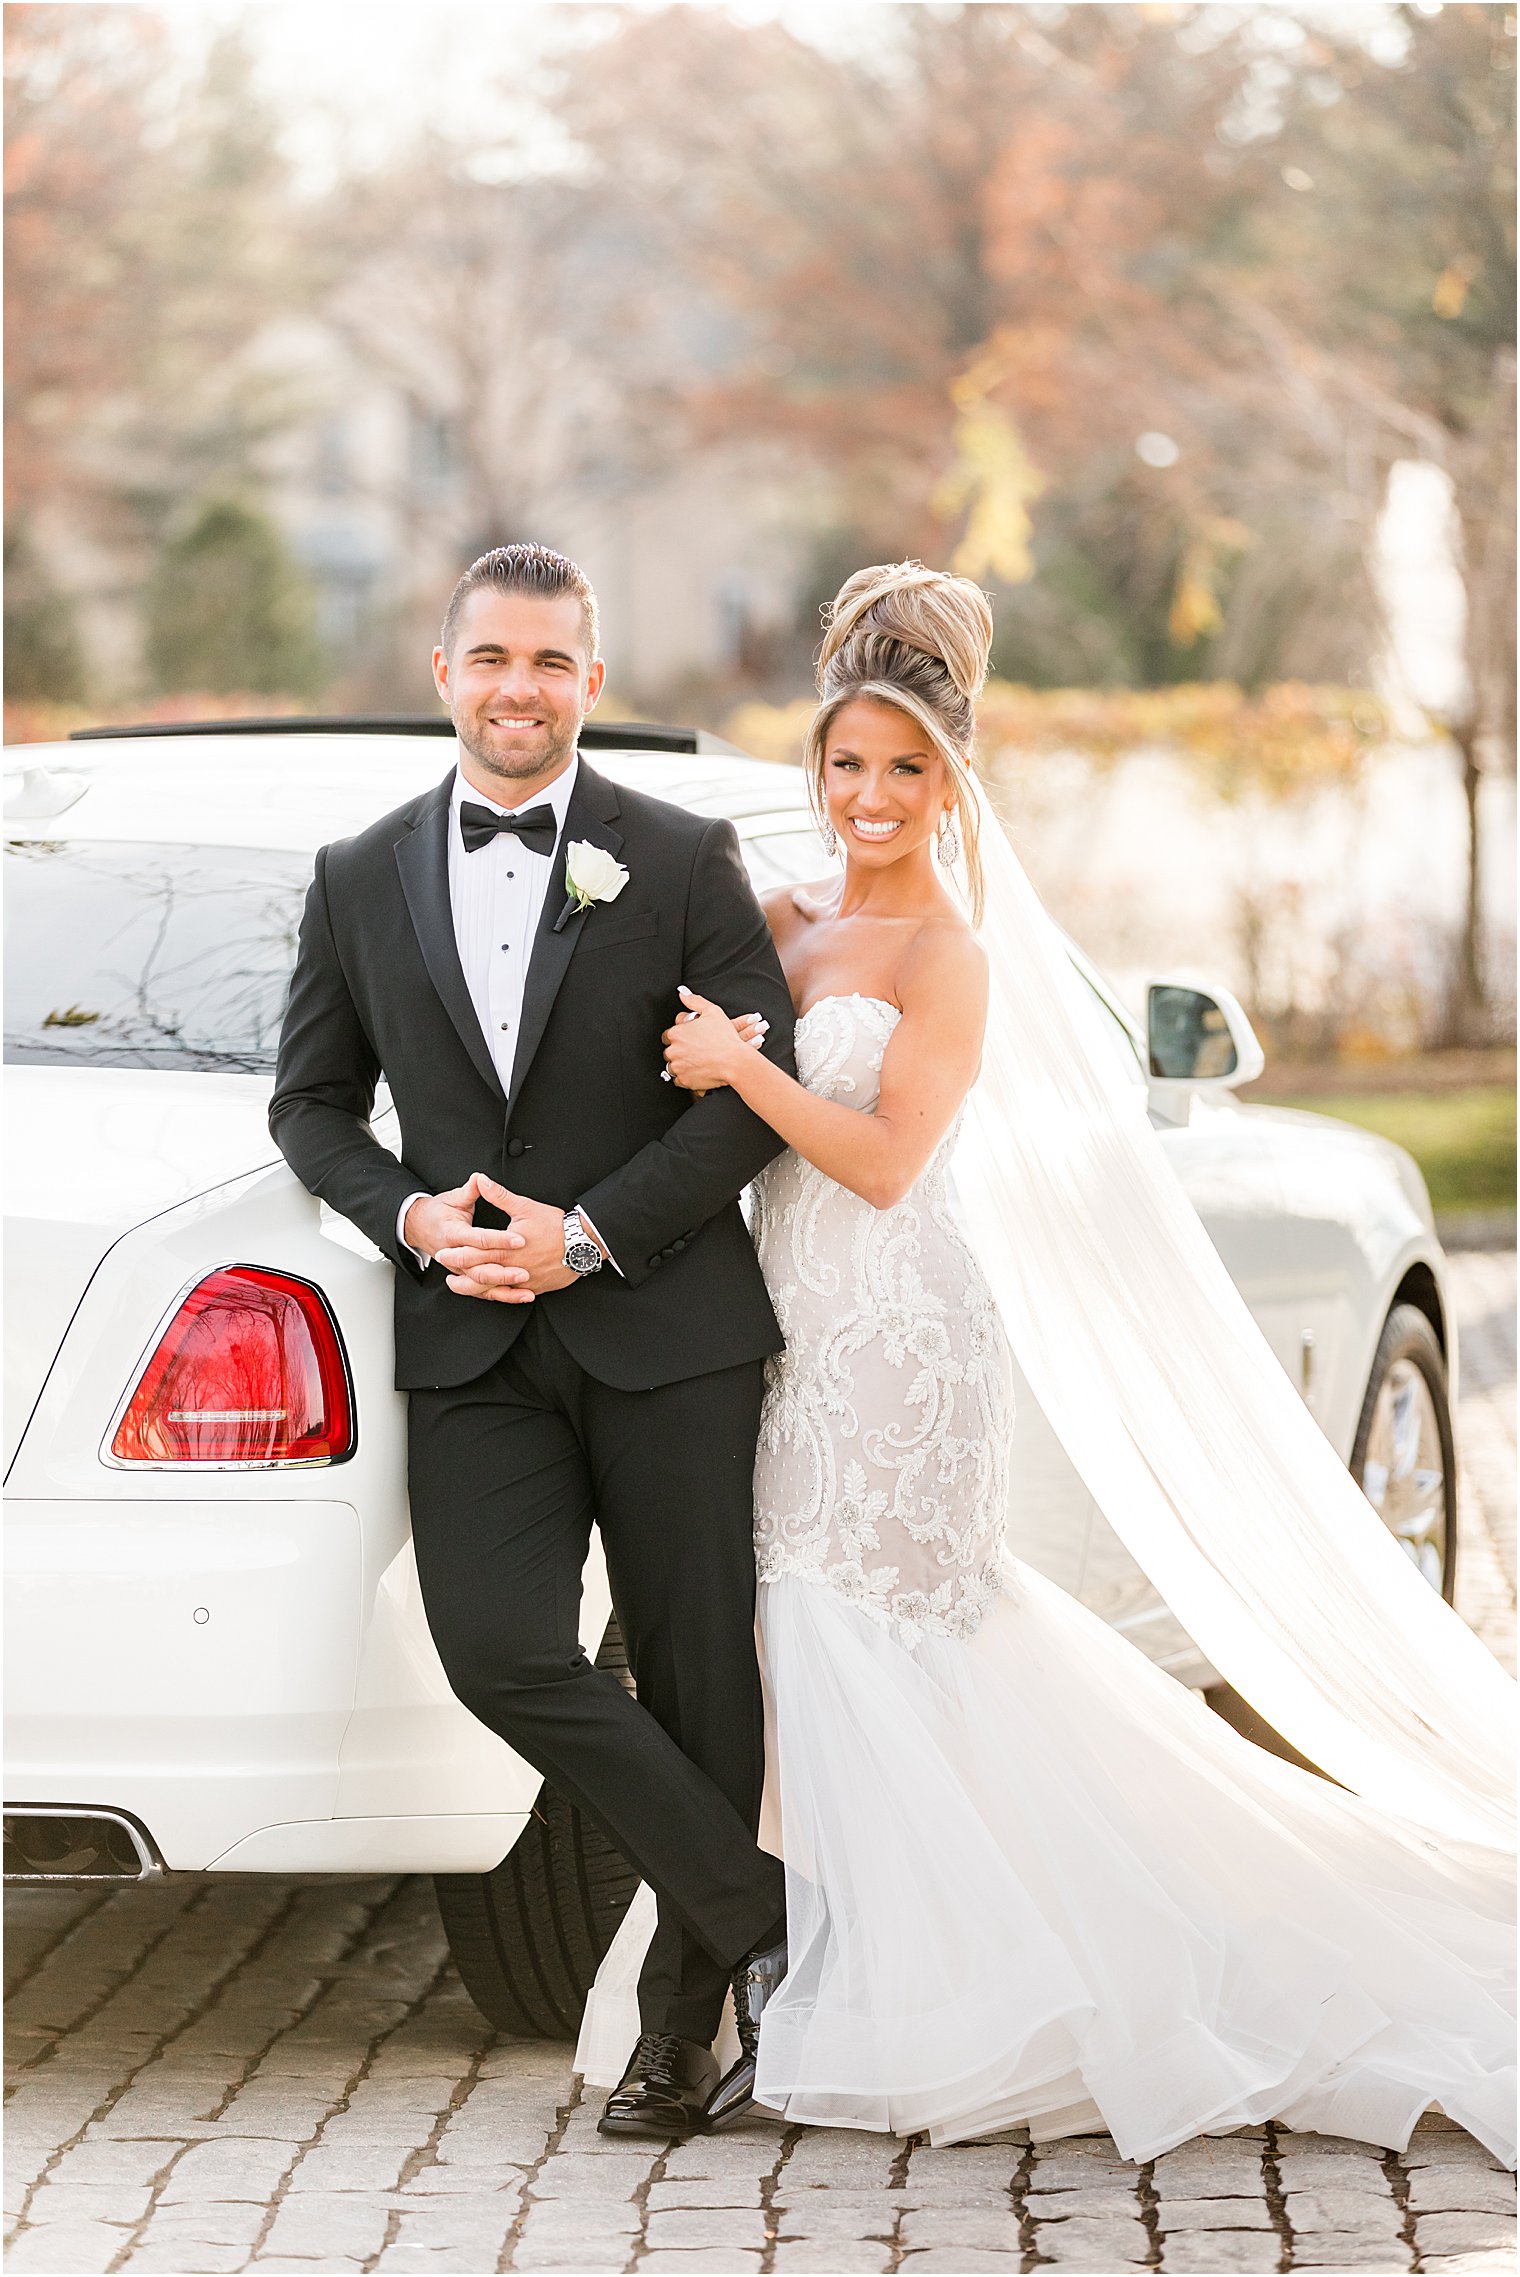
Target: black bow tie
<point>478,825</point>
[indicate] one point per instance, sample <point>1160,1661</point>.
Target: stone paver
<point>263,2076</point>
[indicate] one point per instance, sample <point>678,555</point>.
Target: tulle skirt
<point>1031,1880</point>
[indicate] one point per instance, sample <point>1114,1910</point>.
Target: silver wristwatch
<point>581,1253</point>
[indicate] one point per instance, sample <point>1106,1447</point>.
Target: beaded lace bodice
<point>882,1464</point>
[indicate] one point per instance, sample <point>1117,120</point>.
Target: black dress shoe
<point>663,2093</point>
<point>755,1979</point>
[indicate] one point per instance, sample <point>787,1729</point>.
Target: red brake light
<point>250,1370</point>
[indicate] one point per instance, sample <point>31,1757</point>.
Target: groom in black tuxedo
<point>580,1317</point>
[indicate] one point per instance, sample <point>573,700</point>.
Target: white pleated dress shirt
<point>496,896</point>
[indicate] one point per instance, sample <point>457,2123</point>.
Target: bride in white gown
<point>1030,1878</point>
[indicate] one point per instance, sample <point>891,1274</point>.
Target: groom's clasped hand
<point>510,1265</point>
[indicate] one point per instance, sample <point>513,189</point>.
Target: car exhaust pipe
<point>48,1842</point>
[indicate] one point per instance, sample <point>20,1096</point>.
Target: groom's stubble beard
<point>547,756</point>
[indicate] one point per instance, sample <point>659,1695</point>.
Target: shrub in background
<point>43,661</point>
<point>229,607</point>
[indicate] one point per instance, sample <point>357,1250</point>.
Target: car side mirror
<point>1200,1037</point>
<point>36,794</point>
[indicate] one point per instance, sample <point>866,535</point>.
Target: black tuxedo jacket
<point>378,989</point>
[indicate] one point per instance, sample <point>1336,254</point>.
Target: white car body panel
<point>90,1153</point>
<point>1361,1218</point>
<point>211,1675</point>
<point>239,1659</point>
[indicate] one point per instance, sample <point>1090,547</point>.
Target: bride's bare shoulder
<point>944,962</point>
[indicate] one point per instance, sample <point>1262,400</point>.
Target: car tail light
<point>250,1370</point>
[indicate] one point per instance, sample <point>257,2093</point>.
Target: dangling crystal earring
<point>830,839</point>
<point>948,844</point>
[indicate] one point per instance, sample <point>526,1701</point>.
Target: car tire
<point>528,1937</point>
<point>1410,1367</point>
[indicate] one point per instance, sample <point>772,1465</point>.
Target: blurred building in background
<point>690,558</point>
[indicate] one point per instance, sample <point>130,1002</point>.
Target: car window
<point>179,956</point>
<point>148,956</point>
<point>784,857</point>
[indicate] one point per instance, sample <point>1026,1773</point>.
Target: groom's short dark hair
<point>524,568</point>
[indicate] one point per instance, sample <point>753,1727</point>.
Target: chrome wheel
<point>1404,1459</point>
<point>1404,1477</point>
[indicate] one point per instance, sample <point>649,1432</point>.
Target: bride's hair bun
<point>939,620</point>
<point>917,639</point>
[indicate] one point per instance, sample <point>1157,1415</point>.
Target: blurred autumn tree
<point>1393,287</point>
<point>148,241</point>
<point>1394,266</point>
<point>74,170</point>
<point>1034,286</point>
<point>1127,310</point>
<point>490,294</point>
<point>949,293</point>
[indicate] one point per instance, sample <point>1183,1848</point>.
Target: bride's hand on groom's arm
<point>703,1045</point>
<point>929,1065</point>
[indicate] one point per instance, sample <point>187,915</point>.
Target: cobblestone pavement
<point>260,2075</point>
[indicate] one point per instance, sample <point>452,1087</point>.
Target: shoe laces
<point>745,2016</point>
<point>656,2059</point>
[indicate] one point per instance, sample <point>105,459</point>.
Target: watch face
<point>583,1256</point>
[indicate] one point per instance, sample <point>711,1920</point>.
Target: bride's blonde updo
<point>917,639</point>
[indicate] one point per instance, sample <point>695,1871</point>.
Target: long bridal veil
<point>1182,1423</point>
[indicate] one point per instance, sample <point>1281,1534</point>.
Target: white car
<point>217,1656</point>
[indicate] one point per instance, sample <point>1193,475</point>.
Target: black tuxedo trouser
<point>507,1476</point>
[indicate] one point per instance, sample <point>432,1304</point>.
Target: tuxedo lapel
<point>593,804</point>
<point>422,858</point>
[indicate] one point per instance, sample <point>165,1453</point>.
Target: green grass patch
<point>1463,1141</point>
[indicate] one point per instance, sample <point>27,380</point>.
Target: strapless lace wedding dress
<point>1030,1878</point>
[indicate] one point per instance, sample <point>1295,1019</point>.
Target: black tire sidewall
<point>528,1937</point>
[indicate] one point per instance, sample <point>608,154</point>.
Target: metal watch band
<point>581,1252</point>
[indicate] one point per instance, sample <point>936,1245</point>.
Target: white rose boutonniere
<point>591,875</point>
